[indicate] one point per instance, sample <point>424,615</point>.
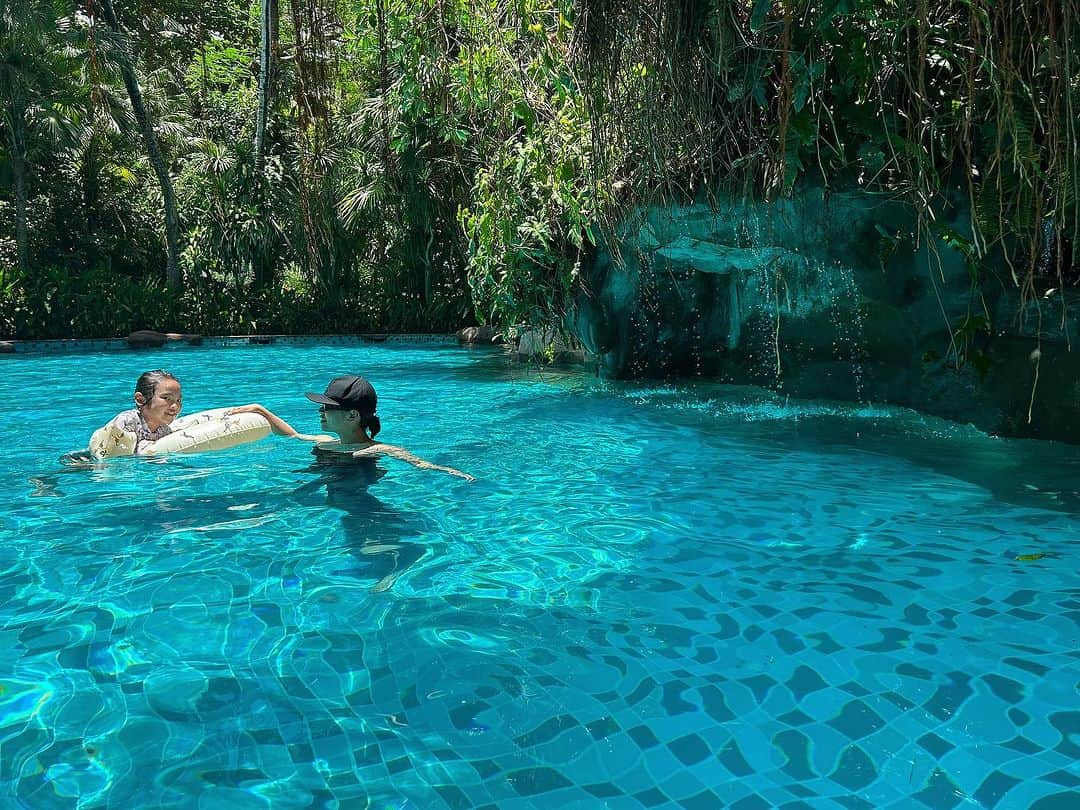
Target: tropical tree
<point>36,92</point>
<point>153,149</point>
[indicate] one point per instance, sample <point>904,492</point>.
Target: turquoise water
<point>653,596</point>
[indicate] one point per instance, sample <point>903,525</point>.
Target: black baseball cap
<point>349,392</point>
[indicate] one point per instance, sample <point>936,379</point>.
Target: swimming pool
<point>653,596</point>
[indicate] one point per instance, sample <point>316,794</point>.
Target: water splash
<point>764,332</point>
<point>848,319</point>
<point>1046,247</point>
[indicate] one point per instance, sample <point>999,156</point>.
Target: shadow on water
<point>1022,472</point>
<point>374,532</point>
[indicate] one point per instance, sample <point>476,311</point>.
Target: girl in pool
<point>157,403</point>
<point>348,409</point>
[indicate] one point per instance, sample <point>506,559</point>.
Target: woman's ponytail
<point>370,423</point>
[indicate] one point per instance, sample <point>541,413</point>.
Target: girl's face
<point>163,407</point>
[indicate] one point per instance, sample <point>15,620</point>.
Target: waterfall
<point>848,319</point>
<point>764,332</point>
<point>1046,247</point>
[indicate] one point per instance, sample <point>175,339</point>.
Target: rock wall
<point>829,295</point>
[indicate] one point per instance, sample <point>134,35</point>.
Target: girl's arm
<point>379,449</point>
<point>277,424</point>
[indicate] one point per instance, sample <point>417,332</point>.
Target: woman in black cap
<point>347,408</point>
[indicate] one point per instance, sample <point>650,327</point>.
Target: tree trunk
<point>18,172</point>
<point>427,265</point>
<point>153,151</point>
<point>275,40</point>
<point>264,83</point>
<point>269,27</point>
<point>17,110</point>
<point>90,188</point>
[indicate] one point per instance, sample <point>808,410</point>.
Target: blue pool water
<point>653,596</point>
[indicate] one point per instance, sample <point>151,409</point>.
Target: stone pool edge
<point>12,347</point>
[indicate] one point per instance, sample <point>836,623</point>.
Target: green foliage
<point>431,162</point>
<point>532,208</point>
<point>933,101</point>
<point>952,106</point>
<point>53,303</point>
<point>101,303</point>
<point>223,66</point>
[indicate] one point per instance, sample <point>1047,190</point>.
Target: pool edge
<point>75,345</point>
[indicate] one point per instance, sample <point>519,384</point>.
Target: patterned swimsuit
<point>132,422</point>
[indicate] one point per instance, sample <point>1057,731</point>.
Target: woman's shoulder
<point>336,448</point>
<point>340,451</point>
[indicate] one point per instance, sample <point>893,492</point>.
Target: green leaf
<point>760,12</point>
<point>759,94</point>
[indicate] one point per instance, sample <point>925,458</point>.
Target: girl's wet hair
<point>148,382</point>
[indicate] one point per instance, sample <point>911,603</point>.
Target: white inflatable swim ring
<point>205,430</point>
<point>111,441</point>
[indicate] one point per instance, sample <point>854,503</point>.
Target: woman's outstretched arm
<point>277,424</point>
<point>380,449</point>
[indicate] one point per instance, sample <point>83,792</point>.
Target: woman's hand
<point>277,424</point>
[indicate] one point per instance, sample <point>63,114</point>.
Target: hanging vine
<point>916,99</point>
